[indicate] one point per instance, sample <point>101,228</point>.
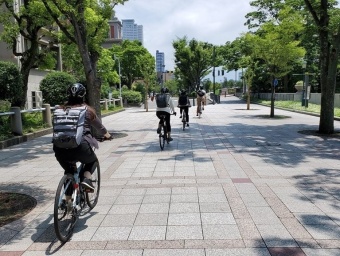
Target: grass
<point>296,105</point>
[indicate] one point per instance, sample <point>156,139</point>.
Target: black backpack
<point>183,100</point>
<point>200,93</point>
<point>68,127</point>
<point>161,100</point>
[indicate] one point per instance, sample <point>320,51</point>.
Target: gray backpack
<point>68,127</point>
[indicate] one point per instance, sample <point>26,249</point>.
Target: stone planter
<point>299,86</point>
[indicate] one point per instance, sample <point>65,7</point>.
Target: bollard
<point>46,114</point>
<point>105,104</point>
<point>16,122</point>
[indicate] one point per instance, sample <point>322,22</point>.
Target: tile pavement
<point>233,183</point>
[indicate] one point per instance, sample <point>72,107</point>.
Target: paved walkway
<point>234,183</point>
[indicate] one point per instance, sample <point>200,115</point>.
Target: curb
<point>27,137</point>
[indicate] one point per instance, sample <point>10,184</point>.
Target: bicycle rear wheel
<point>162,137</point>
<point>64,218</point>
<point>92,198</point>
<point>184,119</point>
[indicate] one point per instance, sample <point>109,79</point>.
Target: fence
<point>16,118</point>
<point>313,97</point>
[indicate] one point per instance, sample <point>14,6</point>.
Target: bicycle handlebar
<point>102,139</point>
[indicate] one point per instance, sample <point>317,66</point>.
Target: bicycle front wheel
<point>92,198</point>
<point>64,218</point>
<point>162,137</point>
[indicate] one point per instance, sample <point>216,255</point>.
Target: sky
<point>212,21</point>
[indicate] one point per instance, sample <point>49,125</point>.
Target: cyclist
<point>204,98</point>
<point>169,107</point>
<point>184,104</point>
<point>84,153</point>
<point>200,100</point>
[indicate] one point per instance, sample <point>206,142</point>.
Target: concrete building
<point>132,31</point>
<point>114,33</point>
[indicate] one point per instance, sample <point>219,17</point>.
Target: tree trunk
<point>326,123</point>
<point>327,116</point>
<point>147,97</point>
<point>25,72</point>
<point>248,99</point>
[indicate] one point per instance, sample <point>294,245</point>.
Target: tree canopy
<point>193,60</point>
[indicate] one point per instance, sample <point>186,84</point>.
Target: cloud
<point>214,21</point>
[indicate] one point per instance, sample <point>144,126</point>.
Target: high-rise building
<point>160,61</point>
<point>132,31</point>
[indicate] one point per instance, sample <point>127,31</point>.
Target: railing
<point>108,102</point>
<point>16,118</point>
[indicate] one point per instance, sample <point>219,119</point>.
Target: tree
<point>147,63</point>
<point>132,55</point>
<point>32,23</point>
<point>84,23</point>
<point>193,60</point>
<point>10,83</point>
<point>276,45</point>
<point>327,20</point>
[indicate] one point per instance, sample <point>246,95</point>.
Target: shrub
<point>140,87</point>
<point>10,83</point>
<point>54,87</point>
<point>115,94</point>
<point>132,97</point>
<point>5,105</point>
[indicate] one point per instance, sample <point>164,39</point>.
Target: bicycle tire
<point>184,119</point>
<point>162,137</point>
<point>64,220</point>
<point>92,198</point>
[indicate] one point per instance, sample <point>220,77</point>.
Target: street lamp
<point>120,79</point>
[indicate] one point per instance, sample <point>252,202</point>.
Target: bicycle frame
<point>76,188</point>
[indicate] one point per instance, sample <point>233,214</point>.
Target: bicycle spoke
<point>63,216</point>
<point>92,198</point>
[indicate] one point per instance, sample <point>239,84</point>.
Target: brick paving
<point>233,183</point>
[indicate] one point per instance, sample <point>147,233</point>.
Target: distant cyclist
<point>165,106</point>
<point>184,104</point>
<point>200,100</point>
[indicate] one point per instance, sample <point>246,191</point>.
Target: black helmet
<point>164,90</point>
<point>183,92</point>
<point>76,90</point>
